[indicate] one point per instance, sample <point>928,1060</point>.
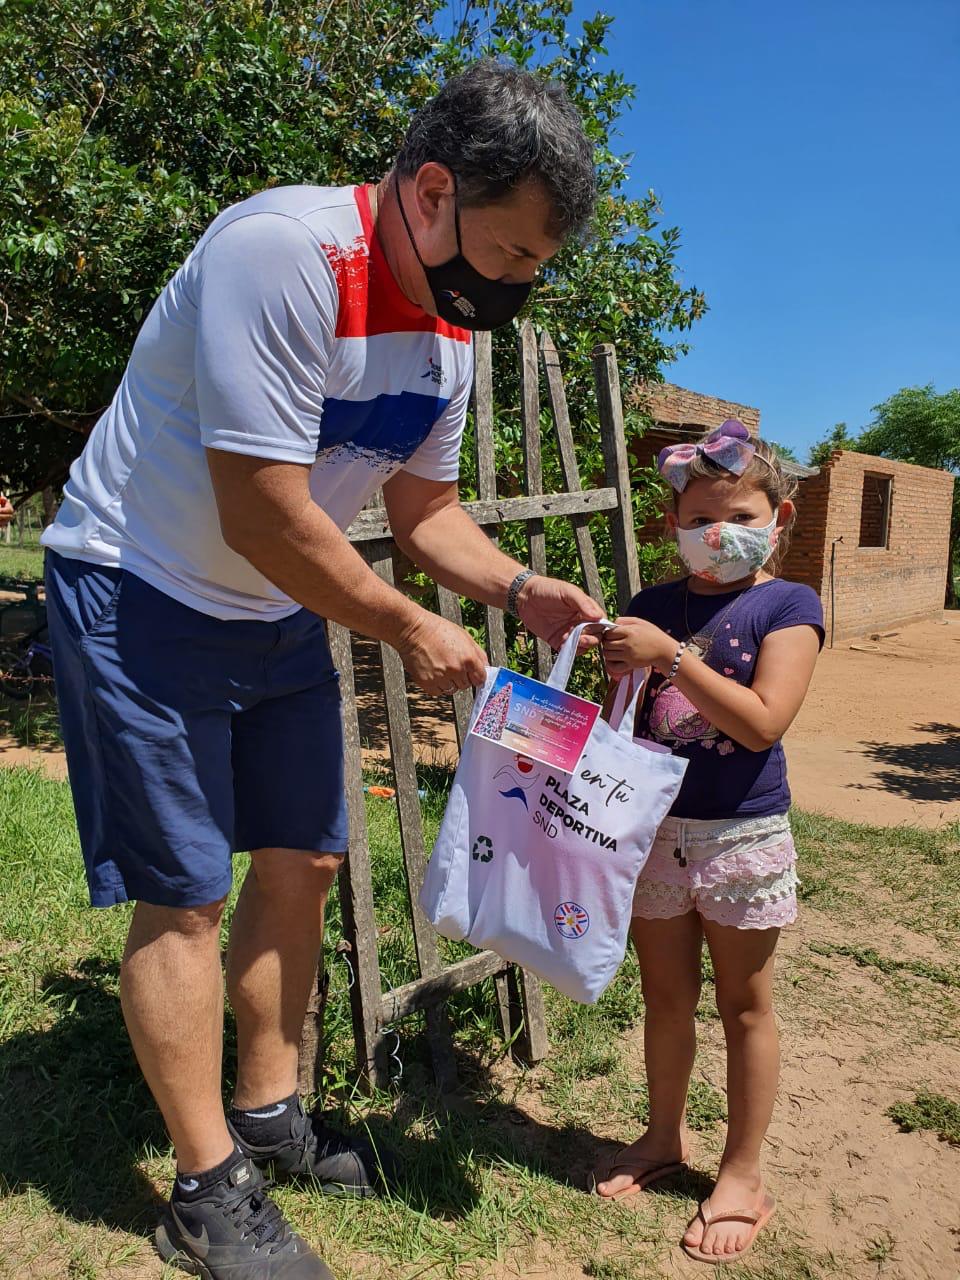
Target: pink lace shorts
<point>740,873</point>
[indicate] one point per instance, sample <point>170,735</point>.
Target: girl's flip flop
<point>649,1172</point>
<point>758,1219</point>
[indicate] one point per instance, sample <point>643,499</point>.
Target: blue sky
<point>809,153</point>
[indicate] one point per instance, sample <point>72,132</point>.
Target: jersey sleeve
<point>438,458</point>
<point>799,606</point>
<point>266,317</point>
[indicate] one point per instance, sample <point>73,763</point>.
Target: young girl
<point>731,649</point>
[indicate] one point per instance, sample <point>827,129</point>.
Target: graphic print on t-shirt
<point>675,721</point>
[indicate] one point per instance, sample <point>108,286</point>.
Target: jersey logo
<point>435,372</point>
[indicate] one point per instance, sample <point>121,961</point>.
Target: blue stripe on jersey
<point>387,429</point>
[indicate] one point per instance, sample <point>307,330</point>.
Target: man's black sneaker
<point>341,1166</point>
<point>234,1231</point>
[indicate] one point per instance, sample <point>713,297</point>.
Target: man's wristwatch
<point>514,589</point>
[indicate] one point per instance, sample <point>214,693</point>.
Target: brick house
<point>883,527</point>
<point>872,539</point>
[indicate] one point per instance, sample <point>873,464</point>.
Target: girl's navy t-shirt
<point>724,778</point>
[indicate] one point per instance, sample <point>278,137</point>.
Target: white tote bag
<point>540,865</point>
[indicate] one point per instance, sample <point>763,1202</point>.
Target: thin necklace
<point>708,640</point>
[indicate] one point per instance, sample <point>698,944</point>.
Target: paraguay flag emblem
<point>571,920</point>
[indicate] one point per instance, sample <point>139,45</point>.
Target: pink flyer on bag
<point>536,720</point>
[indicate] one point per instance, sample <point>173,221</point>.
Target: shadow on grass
<point>78,1119</point>
<point>920,770</point>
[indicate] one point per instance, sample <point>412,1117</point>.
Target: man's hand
<point>6,511</point>
<point>635,643</point>
<point>440,656</point>
<point>551,608</point>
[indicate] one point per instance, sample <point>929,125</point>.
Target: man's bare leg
<point>171,991</point>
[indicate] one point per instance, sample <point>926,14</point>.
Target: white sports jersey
<point>285,336</point>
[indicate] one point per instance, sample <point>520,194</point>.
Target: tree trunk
<point>51,505</point>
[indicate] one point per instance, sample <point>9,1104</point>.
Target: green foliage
<point>867,957</point>
<point>783,451</point>
<point>917,425</point>
<point>20,567</point>
<point>929,1111</point>
<point>131,124</point>
<point>838,438</point>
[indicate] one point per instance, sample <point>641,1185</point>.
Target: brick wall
<point>875,587</point>
<point>676,406</point>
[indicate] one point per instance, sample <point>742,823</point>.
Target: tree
<point>918,425</point>
<point>838,438</point>
<point>133,122</point>
<point>783,451</point>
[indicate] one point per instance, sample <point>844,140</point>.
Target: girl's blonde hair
<point>764,472</point>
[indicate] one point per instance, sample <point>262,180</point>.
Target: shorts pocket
<point>97,598</point>
<point>84,595</point>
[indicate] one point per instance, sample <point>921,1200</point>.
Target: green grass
<point>479,1181</point>
<point>866,957</point>
<point>33,723</point>
<point>930,1111</point>
<point>917,872</point>
<point>20,566</point>
<point>494,1173</point>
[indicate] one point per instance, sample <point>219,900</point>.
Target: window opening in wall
<point>875,510</point>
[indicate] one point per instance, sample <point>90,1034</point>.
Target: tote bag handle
<point>623,712</point>
<point>560,675</point>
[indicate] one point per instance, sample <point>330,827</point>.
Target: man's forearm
<point>458,554</point>
<point>312,562</point>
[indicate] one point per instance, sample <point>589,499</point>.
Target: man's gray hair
<point>495,126</point>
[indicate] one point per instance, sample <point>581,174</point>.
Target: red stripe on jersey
<point>371,301</point>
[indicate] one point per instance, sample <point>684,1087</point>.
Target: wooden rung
<point>373,526</point>
<point>412,996</point>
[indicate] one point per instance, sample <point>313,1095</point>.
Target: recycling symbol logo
<point>482,849</point>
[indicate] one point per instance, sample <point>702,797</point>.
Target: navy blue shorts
<point>189,737</point>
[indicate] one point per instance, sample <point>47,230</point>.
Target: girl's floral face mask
<point>727,552</point>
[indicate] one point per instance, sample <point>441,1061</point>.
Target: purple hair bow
<point>730,447</point>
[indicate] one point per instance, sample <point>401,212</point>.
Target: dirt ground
<point>855,1195</point>
<point>877,740</point>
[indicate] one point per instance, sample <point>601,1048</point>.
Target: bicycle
<point>26,665</point>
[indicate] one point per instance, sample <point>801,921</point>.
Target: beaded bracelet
<point>676,661</point>
<point>513,591</point>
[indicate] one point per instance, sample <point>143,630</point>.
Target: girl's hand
<point>634,643</point>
